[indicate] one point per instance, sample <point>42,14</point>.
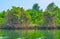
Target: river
<point>29,34</point>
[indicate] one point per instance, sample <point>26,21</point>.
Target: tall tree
<point>51,7</point>
<point>35,7</point>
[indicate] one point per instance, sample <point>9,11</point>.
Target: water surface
<point>29,34</point>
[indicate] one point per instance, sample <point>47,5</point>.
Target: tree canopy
<point>31,17</point>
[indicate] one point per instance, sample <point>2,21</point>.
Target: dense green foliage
<point>17,16</point>
<point>31,17</point>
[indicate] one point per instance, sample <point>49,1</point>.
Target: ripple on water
<point>38,38</point>
<point>1,37</point>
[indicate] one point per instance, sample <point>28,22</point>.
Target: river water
<point>29,34</point>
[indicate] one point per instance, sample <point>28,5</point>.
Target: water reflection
<point>29,34</point>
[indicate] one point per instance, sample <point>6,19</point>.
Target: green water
<point>29,34</point>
